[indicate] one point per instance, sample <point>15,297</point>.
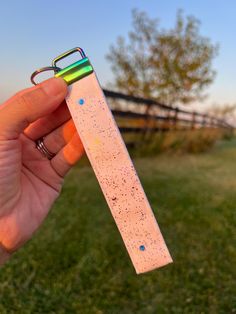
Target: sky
<point>32,33</point>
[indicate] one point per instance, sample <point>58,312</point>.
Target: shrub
<point>179,141</point>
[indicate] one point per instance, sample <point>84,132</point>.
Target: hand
<point>29,182</point>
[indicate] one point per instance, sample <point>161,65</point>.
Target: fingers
<point>66,144</point>
<point>68,156</point>
<point>29,105</point>
<point>57,139</point>
<point>47,124</point>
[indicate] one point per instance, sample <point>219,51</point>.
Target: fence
<point>140,115</point>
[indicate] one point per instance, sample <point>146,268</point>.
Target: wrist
<point>4,255</point>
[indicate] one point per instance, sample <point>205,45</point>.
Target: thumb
<point>29,105</point>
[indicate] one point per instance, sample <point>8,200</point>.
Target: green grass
<point>77,263</point>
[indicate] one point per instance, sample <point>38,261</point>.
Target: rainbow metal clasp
<point>76,70</point>
<point>71,73</point>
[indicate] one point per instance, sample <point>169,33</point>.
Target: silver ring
<point>55,69</point>
<point>43,149</point>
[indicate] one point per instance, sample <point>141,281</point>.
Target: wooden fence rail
<point>156,116</point>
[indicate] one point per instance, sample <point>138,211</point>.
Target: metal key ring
<point>67,53</point>
<point>51,68</point>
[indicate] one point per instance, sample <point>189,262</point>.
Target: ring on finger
<point>43,149</point>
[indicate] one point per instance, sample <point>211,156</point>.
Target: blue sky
<point>33,32</point>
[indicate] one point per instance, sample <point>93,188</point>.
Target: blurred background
<point>167,69</point>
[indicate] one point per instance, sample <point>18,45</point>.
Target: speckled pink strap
<point>116,174</point>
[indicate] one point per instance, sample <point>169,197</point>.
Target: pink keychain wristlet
<point>112,164</point>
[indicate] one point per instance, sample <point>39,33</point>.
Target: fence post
<point>147,112</point>
<point>193,120</point>
<point>176,117</point>
<point>167,124</point>
<point>204,120</point>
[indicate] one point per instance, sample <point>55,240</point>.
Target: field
<point>76,263</point>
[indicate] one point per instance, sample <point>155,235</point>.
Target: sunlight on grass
<point>77,262</point>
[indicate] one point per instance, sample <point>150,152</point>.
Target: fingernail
<point>54,86</point>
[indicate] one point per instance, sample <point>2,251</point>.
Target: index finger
<point>29,105</point>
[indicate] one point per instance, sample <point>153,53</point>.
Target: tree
<point>226,112</point>
<point>171,66</point>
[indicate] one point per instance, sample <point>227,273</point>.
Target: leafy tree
<point>227,112</point>
<point>170,66</point>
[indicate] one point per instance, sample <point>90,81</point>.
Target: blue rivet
<point>142,247</point>
<point>81,101</point>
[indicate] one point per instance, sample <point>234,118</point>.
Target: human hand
<point>29,182</point>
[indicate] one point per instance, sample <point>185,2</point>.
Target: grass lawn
<point>77,263</point>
